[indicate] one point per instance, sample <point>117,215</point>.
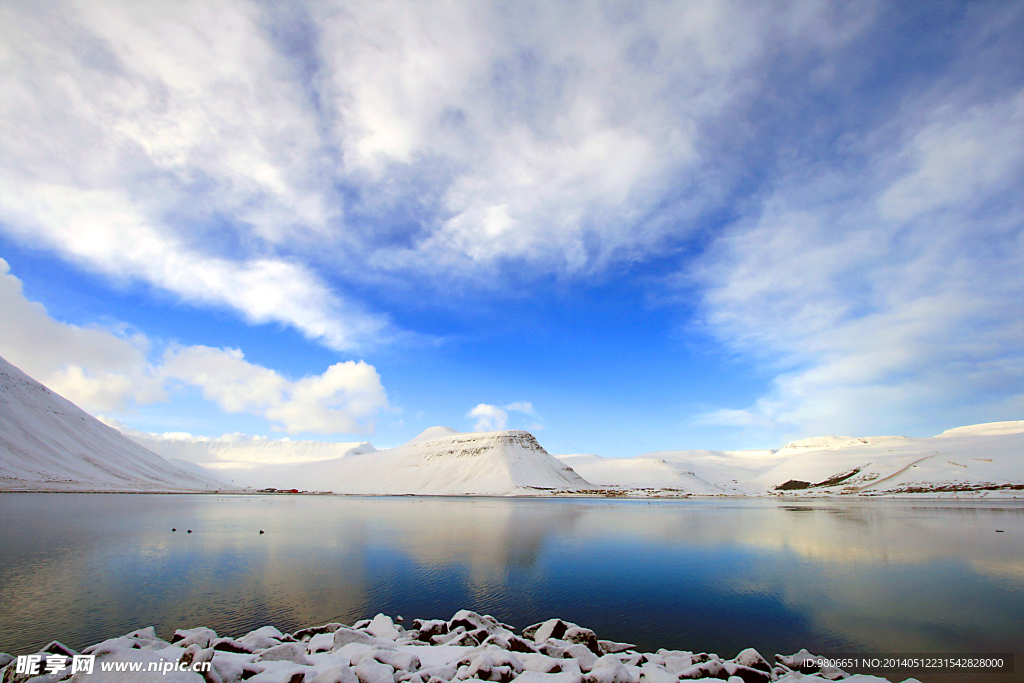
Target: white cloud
<point>159,121</point>
<point>98,369</point>
<point>344,399</point>
<point>892,296</point>
<point>213,149</point>
<point>488,418</point>
<point>491,418</point>
<point>521,407</point>
<point>103,371</point>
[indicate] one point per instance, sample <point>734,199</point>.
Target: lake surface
<point>712,575</point>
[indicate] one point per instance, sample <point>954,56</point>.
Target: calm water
<point>705,575</point>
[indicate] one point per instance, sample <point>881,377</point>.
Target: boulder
<point>286,652</point>
<point>608,669</point>
<point>335,674</point>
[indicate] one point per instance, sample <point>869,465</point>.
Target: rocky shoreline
<point>469,646</point>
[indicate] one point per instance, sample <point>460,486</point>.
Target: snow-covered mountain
<point>974,459</point>
<point>985,459</point>
<point>441,461</point>
<point>49,443</point>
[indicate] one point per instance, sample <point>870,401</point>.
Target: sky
<point>624,226</point>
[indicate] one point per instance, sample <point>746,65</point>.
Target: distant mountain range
<point>47,443</point>
<point>983,459</point>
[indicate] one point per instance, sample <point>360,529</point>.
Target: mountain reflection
<point>704,574</point>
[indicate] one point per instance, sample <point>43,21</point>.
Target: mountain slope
<point>49,443</point>
<point>441,462</point>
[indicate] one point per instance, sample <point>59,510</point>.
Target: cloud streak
<point>889,297</point>
<point>200,150</point>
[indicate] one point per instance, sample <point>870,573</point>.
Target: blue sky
<point>627,226</point>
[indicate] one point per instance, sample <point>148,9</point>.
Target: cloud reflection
<point>879,575</point>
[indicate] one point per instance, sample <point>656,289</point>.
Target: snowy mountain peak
<point>459,445</point>
<point>478,463</point>
<point>431,433</point>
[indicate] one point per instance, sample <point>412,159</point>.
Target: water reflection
<point>715,575</point>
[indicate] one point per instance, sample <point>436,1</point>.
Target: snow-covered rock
<point>411,657</point>
<point>49,443</point>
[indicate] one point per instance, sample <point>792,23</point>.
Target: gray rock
<point>610,647</point>
<point>430,628</point>
<point>510,642</point>
<point>608,669</point>
<point>583,636</point>
<point>285,652</point>
<point>747,674</point>
<point>381,626</point>
<point>473,622</point>
<point>753,659</point>
<point>493,664</point>
<point>710,669</point>
<point>230,645</point>
<point>399,661</point>
<point>656,673</point>
<point>552,628</point>
<point>582,654</point>
<point>344,635</point>
<point>201,636</point>
<point>336,674</point>
<point>678,664</point>
<point>306,633</point>
<point>369,670</point>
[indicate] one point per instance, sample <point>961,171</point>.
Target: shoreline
<point>382,650</point>
<point>1015,494</point>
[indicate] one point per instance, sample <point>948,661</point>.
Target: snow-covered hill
<point>986,459</point>
<point>967,460</point>
<point>637,472</point>
<point>49,443</point>
<point>700,472</point>
<point>441,461</point>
